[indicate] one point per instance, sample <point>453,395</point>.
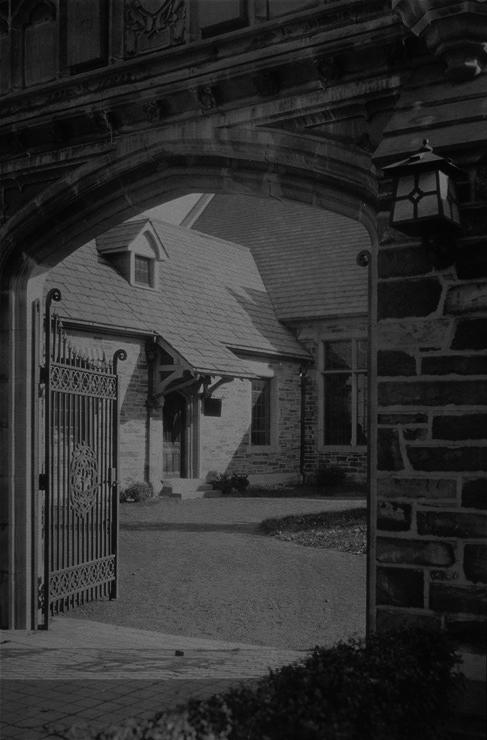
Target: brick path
<point>88,673</point>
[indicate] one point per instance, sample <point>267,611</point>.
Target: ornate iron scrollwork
<point>83,478</point>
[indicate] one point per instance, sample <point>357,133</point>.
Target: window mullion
<point>353,440</point>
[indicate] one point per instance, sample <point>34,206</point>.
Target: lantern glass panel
<point>427,182</point>
<point>405,186</point>
<point>443,181</point>
<point>428,206</point>
<point>455,215</point>
<point>403,211</point>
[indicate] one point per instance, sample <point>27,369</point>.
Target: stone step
<point>185,487</point>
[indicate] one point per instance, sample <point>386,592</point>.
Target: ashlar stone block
<point>417,488</point>
<point>474,493</point>
<point>395,362</point>
<point>475,563</point>
<point>389,455</point>
<point>402,298</point>
<point>448,458</point>
<point>394,516</point>
<point>458,599</point>
<point>471,334</point>
<point>466,426</point>
<point>432,393</point>
<point>451,524</point>
<point>415,552</point>
<point>400,587</point>
<point>466,298</point>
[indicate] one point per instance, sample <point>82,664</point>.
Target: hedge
<point>395,686</point>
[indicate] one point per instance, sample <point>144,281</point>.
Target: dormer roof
<point>132,236</point>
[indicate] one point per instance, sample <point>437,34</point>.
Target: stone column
<point>431,558</point>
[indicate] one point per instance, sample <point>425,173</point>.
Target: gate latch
<point>42,482</point>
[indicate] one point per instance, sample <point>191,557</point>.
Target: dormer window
<point>143,271</point>
<point>135,250</point>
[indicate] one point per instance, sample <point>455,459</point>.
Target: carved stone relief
<point>329,70</point>
<point>456,33</point>
<point>156,109</point>
<point>153,24</point>
<point>206,97</point>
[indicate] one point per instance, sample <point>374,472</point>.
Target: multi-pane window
<point>143,270</point>
<point>260,426</point>
<point>345,392</point>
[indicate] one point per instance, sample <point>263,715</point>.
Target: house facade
<point>212,382</point>
<point>308,261</point>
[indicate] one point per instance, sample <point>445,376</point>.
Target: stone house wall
<point>225,442</point>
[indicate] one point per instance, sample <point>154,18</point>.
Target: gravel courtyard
<point>200,568</point>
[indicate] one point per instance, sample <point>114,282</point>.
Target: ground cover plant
<point>396,686</point>
<point>338,530</point>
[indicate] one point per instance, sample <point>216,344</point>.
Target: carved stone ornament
<point>329,70</point>
<point>481,183</point>
<point>206,97</point>
<point>456,32</point>
<point>153,24</point>
<point>155,110</point>
<point>83,478</point>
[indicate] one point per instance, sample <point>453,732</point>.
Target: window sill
<point>263,448</point>
<point>343,448</point>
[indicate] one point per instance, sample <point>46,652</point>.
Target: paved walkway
<point>86,673</point>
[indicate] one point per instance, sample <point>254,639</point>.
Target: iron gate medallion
<point>83,478</point>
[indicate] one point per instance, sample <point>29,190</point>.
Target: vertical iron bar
<point>119,355</point>
<point>36,498</point>
<point>53,295</point>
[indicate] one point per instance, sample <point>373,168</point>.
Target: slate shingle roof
<point>211,299</point>
<point>306,256</point>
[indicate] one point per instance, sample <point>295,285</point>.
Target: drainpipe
<point>303,371</point>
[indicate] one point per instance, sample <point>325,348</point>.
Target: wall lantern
<point>424,200</point>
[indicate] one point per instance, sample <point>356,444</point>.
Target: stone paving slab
<point>93,674</point>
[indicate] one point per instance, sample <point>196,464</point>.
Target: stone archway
<point>144,171</point>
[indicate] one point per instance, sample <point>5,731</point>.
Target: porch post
<point>18,545</point>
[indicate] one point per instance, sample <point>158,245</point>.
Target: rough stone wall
<point>432,431</point>
<point>225,441</point>
<point>133,396</point>
<point>353,460</point>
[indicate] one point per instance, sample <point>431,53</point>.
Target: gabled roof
<point>210,300</point>
<point>306,256</point>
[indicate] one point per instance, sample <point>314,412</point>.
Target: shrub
<point>392,688</point>
<point>136,492</point>
<point>227,483</point>
<point>240,482</point>
<point>329,475</point>
<point>223,483</point>
<point>396,686</point>
<point>315,520</point>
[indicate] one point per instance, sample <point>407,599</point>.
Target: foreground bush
<point>395,687</point>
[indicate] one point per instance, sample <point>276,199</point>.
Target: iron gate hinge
<point>42,374</point>
<point>112,477</point>
<point>42,481</point>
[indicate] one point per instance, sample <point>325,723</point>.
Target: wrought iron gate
<point>80,512</point>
